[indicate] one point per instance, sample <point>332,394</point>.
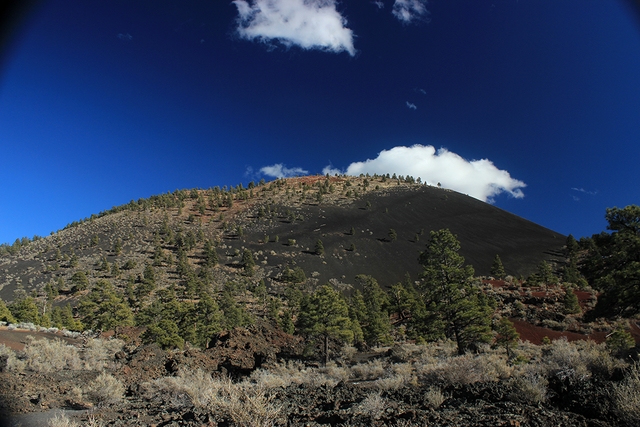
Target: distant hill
<point>297,212</point>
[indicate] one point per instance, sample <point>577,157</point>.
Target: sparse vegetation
<point>183,269</point>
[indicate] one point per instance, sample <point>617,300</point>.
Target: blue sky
<point>533,106</point>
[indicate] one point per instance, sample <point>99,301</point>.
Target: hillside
<point>293,213</point>
<point>206,307</point>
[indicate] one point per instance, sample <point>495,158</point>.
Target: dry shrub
<point>369,371</point>
<point>61,420</point>
<point>45,355</point>
<point>93,421</point>
<point>626,395</point>
<point>105,389</point>
<point>296,373</point>
<point>398,375</point>
<point>406,352</point>
<point>75,394</point>
<point>188,388</point>
<point>317,379</point>
<point>529,388</point>
<point>578,360</point>
<point>434,397</point>
<point>372,406</point>
<point>98,353</point>
<point>393,382</point>
<point>404,369</point>
<point>465,369</point>
<point>269,380</point>
<point>13,364</point>
<point>347,353</point>
<point>247,405</point>
<point>339,373</point>
<point>440,349</point>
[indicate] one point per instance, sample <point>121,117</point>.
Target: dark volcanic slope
<point>412,210</point>
<point>482,229</point>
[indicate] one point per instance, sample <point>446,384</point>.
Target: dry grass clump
<point>407,352</point>
<point>398,375</point>
<point>371,370</point>
<point>531,387</point>
<point>105,389</point>
<point>395,382</point>
<point>339,373</point>
<point>13,364</point>
<point>247,403</point>
<point>465,369</point>
<point>626,395</point>
<point>434,398</point>
<point>347,353</point>
<point>269,380</point>
<point>50,355</point>
<point>61,420</point>
<point>293,372</point>
<point>98,353</point>
<point>372,406</point>
<point>578,360</point>
<point>188,388</point>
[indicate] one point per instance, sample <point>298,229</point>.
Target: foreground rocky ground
<point>262,377</point>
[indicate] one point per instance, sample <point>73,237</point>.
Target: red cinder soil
<point>535,334</point>
<point>16,339</point>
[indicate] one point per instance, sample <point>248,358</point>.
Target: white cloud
<point>477,178</point>
<point>379,4</point>
<point>409,10</point>
<point>411,105</point>
<point>331,170</point>
<point>582,190</point>
<point>309,24</point>
<point>280,171</point>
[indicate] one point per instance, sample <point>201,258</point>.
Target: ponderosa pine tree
<point>612,264</point>
<point>80,281</point>
<point>405,301</point>
<point>206,317</point>
<point>165,333</point>
<point>620,340</point>
<point>455,308</point>
<point>234,314</point>
<point>248,262</point>
<point>25,309</point>
<point>507,336</point>
<point>357,314</point>
<point>376,325</point>
<point>325,315</point>
<point>103,309</point>
<point>5,313</point>
<point>497,269</point>
<point>571,303</point>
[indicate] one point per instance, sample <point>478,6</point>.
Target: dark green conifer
<point>497,269</point>
<point>325,315</point>
<point>455,308</point>
<point>571,303</point>
<point>507,335</point>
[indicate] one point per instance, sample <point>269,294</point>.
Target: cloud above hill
<point>309,24</point>
<point>280,171</point>
<point>478,178</point>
